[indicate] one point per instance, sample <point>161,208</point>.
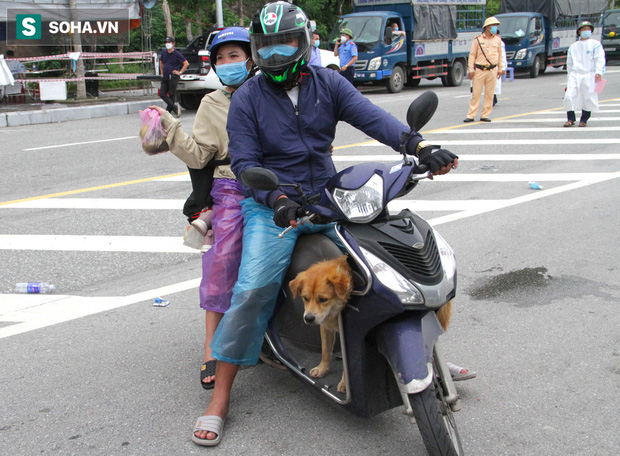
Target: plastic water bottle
<point>34,287</point>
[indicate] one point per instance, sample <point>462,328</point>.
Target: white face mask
<point>344,38</point>
<point>168,45</point>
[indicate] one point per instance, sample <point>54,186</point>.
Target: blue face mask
<point>585,34</point>
<point>316,43</point>
<point>232,74</point>
<point>396,28</point>
<point>277,49</point>
<point>494,30</point>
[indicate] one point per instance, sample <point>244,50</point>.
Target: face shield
<point>276,52</point>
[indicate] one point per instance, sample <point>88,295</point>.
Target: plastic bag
<point>152,133</point>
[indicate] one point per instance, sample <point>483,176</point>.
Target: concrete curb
<point>53,115</point>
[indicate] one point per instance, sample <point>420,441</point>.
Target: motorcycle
<point>404,272</point>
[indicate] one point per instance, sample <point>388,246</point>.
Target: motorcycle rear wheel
<point>436,422</point>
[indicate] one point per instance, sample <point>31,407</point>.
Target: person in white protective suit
<point>586,64</point>
<point>498,83</point>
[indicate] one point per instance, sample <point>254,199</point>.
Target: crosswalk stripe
<point>30,312</point>
<point>99,203</point>
<point>558,130</point>
<point>519,142</point>
<point>558,120</point>
<point>144,244</point>
<point>476,157</point>
<point>599,111</point>
<point>153,204</point>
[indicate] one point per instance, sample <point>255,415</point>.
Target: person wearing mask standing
<point>346,50</point>
<point>484,67</point>
<point>585,63</point>
<point>171,65</point>
<point>315,58</point>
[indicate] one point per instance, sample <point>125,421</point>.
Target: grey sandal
<point>209,423</point>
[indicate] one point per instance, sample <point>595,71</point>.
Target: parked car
<point>611,33</point>
<point>199,79</point>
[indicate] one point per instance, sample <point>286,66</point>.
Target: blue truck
<point>438,38</point>
<point>537,33</point>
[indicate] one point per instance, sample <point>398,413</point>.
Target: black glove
<point>435,158</point>
<point>284,210</point>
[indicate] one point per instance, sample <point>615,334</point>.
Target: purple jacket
<point>266,130</point>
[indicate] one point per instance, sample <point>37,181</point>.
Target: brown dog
<point>325,288</point>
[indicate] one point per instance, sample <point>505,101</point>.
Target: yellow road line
<point>91,189</point>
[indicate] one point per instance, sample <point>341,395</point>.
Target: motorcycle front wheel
<point>436,422</point>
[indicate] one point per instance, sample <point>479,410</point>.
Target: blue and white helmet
<point>237,35</point>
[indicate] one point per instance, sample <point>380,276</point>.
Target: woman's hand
<point>161,111</point>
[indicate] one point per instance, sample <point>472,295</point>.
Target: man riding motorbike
<point>285,120</point>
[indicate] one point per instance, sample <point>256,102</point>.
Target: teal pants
<point>264,261</point>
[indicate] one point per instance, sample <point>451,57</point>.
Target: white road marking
<point>560,120</point>
<point>137,138</point>
<point>555,112</point>
<point>538,194</point>
<point>121,241</point>
<point>145,244</point>
<point>461,131</point>
<point>517,142</point>
<point>99,203</point>
<point>30,312</point>
<point>475,157</point>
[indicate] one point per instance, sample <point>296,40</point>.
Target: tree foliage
<point>235,12</point>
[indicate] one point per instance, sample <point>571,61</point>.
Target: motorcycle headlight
<point>520,54</point>
<point>405,290</point>
<point>374,64</point>
<point>448,260</point>
<point>363,204</point>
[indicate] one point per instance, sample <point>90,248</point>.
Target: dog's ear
<point>296,284</point>
<point>341,278</point>
<point>341,283</point>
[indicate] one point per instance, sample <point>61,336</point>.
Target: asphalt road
<point>97,370</point>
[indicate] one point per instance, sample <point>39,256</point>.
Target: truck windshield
<point>513,28</point>
<point>366,30</point>
<point>612,23</point>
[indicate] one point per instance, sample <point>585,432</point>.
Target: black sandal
<point>570,123</point>
<point>207,370</point>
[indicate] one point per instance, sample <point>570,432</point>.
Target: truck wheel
<point>535,68</point>
<point>397,80</point>
<point>455,75</point>
<point>544,65</point>
<point>190,101</point>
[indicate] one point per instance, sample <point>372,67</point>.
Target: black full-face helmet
<point>281,40</point>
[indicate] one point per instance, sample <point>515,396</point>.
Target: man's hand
<point>439,161</point>
<point>597,78</point>
<point>176,72</point>
<point>470,75</point>
<point>285,212</point>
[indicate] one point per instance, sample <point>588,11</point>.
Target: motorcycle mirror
<point>421,110</point>
<point>260,179</point>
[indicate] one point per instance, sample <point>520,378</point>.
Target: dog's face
<point>325,288</point>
